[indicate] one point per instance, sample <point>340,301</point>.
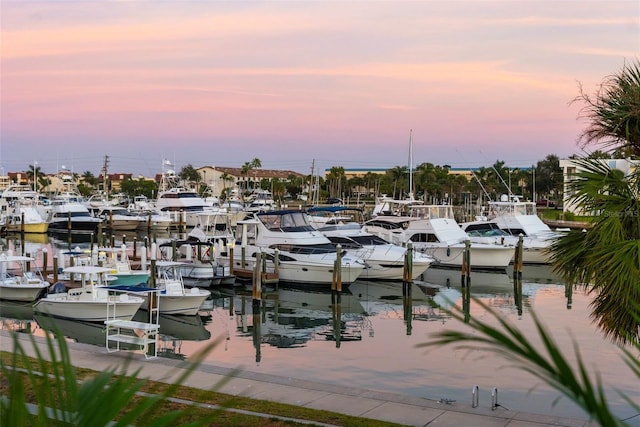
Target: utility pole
<point>310,192</point>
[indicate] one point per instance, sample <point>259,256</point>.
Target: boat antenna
<point>501,180</point>
<point>503,183</point>
<point>484,190</point>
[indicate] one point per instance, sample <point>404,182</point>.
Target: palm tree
<point>398,174</point>
<point>33,172</point>
<point>614,112</point>
<point>606,258</point>
<point>335,181</point>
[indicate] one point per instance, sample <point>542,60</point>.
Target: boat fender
<point>448,251</point>
<point>57,288</point>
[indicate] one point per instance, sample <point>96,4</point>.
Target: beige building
<point>220,178</point>
<point>570,167</point>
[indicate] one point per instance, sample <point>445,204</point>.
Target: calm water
<point>292,334</point>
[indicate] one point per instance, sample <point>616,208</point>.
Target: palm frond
<point>546,362</point>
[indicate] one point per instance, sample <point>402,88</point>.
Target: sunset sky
<point>340,83</point>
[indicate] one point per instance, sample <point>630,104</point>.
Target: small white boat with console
<point>121,272</point>
<point>17,282</point>
<point>175,298</point>
<point>92,301</point>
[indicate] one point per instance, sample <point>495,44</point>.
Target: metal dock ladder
<point>142,334</point>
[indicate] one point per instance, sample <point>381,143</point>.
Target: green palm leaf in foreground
<point>606,258</point>
<point>105,399</point>
<point>544,362</point>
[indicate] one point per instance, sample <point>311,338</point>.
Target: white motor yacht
<point>305,255</point>
<point>433,230</point>
<point>385,261</point>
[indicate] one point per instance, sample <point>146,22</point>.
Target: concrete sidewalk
<point>396,408</point>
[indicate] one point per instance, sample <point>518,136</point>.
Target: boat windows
<point>72,215</point>
<point>386,225</point>
<point>370,240</point>
<point>305,249</point>
<point>424,238</point>
<point>345,242</point>
<point>516,231</point>
<point>289,221</point>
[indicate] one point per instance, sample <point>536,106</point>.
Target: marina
<point>368,336</point>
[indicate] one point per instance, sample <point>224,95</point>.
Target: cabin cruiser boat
<point>92,301</point>
<point>261,201</point>
<point>21,210</point>
<point>182,204</point>
<point>150,217</point>
<point>386,261</point>
<point>118,218</point>
<point>17,283</point>
<point>507,220</point>
<point>433,230</point>
<point>304,255</point>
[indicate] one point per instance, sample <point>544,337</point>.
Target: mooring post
<point>174,250</point>
<point>135,247</point>
<point>466,264</point>
<point>408,263</point>
<point>257,278</point>
<point>100,237</point>
<point>45,256</point>
<point>55,268</point>
<point>230,246</point>
<point>339,267</point>
<point>520,255</point>
<point>152,276</point>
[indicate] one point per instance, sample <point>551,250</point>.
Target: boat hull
<point>386,271</point>
<point>31,228</point>
<point>307,272</point>
<point>60,305</point>
<point>486,257</point>
<point>64,226</point>
<point>188,304</point>
<point>21,292</point>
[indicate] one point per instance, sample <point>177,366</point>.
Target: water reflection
<point>291,317</point>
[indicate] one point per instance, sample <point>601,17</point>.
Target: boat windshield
<point>286,221</point>
<point>432,211</point>
<point>369,240</point>
<point>305,249</point>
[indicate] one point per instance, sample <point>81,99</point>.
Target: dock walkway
<point>389,407</point>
